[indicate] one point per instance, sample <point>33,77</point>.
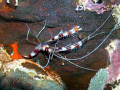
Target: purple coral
<point>99,8</point>
<point>114,68</point>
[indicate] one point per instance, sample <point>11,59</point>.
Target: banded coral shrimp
<point>46,48</point>
<point>52,50</point>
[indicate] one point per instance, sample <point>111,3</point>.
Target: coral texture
<point>99,80</point>
<point>89,5</point>
<point>114,68</point>
<point>24,74</point>
<point>116,14</point>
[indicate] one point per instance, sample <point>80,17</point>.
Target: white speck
<point>80,43</point>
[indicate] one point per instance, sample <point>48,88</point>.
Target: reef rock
<point>24,74</point>
<point>116,14</point>
<point>114,68</point>
<point>99,80</point>
<point>100,8</point>
<point>39,10</point>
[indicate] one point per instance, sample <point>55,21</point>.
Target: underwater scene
<point>59,45</point>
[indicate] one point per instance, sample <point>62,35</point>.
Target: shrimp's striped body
<point>69,47</point>
<point>46,48</point>
<point>65,34</point>
<point>40,47</point>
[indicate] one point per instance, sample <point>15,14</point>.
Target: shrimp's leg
<point>59,56</point>
<point>46,63</point>
<point>65,34</point>
<point>54,48</point>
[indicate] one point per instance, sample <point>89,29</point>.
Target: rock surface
<point>39,10</point>
<point>15,30</point>
<point>22,74</point>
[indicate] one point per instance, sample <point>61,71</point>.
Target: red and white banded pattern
<point>69,47</point>
<point>43,47</point>
<point>65,34</point>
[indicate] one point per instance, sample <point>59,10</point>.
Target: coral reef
<point>37,11</point>
<point>59,14</point>
<point>15,54</point>
<point>114,68</point>
<point>99,80</point>
<point>4,56</point>
<point>89,5</point>
<point>117,87</point>
<point>112,72</point>
<point>25,74</point>
<point>116,14</point>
